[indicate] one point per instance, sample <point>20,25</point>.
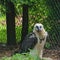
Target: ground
<point>8,51</point>
<point>54,54</point>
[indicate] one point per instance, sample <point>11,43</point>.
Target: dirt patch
<point>55,54</point>
<point>8,51</point>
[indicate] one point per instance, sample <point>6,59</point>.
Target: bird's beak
<point>38,30</point>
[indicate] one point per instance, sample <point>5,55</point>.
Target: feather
<point>28,43</point>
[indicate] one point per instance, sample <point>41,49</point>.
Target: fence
<point>51,24</point>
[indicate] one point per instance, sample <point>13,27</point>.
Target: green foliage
<point>3,35</point>
<point>2,7</point>
<point>21,57</point>
<point>41,11</point>
<point>38,13</point>
<point>18,33</point>
<point>2,17</point>
<point>47,45</point>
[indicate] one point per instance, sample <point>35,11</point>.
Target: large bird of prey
<point>35,40</point>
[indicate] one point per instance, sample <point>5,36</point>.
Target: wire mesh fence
<point>49,16</point>
<point>54,21</point>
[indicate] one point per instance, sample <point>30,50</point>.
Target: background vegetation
<point>41,11</point>
<point>37,13</point>
<point>46,12</point>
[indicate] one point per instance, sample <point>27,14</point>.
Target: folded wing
<point>28,43</point>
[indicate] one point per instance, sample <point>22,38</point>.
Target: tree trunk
<point>10,20</point>
<point>24,22</point>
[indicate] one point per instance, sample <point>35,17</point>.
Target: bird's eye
<point>40,26</point>
<point>36,26</point>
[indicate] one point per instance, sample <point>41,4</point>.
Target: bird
<point>34,41</point>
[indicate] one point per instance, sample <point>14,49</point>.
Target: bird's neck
<point>42,32</point>
<point>40,35</point>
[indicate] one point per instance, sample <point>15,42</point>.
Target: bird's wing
<point>28,43</point>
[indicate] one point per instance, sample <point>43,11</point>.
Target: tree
<point>10,20</point>
<point>24,22</point>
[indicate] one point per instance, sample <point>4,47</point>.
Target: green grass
<point>21,57</point>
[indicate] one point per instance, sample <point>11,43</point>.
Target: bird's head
<point>38,27</point>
